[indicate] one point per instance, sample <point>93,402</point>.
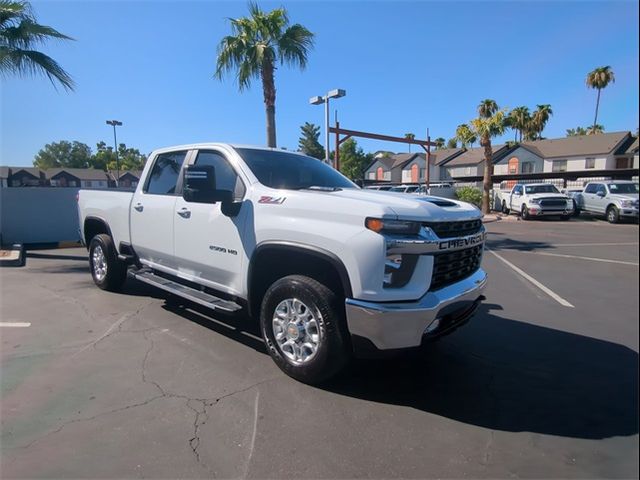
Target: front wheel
<point>505,210</point>
<point>303,326</point>
<point>525,212</point>
<point>613,215</point>
<point>107,271</point>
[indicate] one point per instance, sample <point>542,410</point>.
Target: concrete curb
<point>12,257</point>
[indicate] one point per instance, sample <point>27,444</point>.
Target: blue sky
<point>406,67</point>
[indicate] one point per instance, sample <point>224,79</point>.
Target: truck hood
<point>547,195</point>
<point>409,207</point>
<point>623,196</point>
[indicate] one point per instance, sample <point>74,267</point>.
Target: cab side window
<point>602,188</point>
<point>518,190</point>
<point>591,188</point>
<point>226,176</point>
<point>163,177</point>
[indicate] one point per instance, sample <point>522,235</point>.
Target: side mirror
<point>600,193</point>
<point>200,186</point>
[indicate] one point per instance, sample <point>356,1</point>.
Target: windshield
<point>623,188</point>
<point>541,189</point>
<point>278,169</point>
<point>397,189</point>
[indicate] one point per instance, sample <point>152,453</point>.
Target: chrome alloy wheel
<point>99,263</point>
<point>296,330</point>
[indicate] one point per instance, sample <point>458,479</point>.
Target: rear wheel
<point>525,212</point>
<point>107,271</point>
<point>613,215</point>
<point>505,210</point>
<point>302,323</point>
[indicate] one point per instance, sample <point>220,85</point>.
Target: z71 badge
<point>272,200</point>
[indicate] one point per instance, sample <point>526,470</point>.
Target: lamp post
<point>317,100</point>
<point>115,123</point>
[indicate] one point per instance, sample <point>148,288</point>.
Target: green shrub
<point>470,194</point>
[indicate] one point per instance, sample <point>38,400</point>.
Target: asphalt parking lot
<point>543,382</point>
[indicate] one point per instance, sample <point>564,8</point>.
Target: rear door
<point>153,211</point>
<point>208,243</point>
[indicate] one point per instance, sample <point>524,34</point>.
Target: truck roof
<point>607,182</point>
<point>190,146</point>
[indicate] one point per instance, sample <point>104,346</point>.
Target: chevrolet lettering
<point>334,272</point>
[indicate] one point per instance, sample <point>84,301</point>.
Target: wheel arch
<point>273,260</point>
<point>94,226</point>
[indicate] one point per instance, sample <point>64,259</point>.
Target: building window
<point>589,163</point>
<point>527,167</point>
<point>88,184</point>
<point>623,162</point>
<point>559,166</point>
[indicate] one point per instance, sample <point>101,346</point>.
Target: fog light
<point>433,326</point>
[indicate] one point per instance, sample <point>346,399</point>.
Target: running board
<point>183,291</point>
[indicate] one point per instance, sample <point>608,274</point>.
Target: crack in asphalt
<point>197,405</point>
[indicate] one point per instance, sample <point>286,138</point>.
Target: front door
<point>152,211</point>
<point>208,242</point>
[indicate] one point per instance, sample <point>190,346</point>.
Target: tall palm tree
<point>485,128</point>
<point>487,108</point>
<point>519,119</point>
<point>20,33</point>
<point>257,44</point>
<point>465,135</point>
<point>410,136</point>
<point>595,129</point>
<point>600,78</point>
<point>540,118</point>
<point>439,143</point>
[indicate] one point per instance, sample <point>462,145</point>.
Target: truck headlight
<point>395,227</point>
<point>535,201</point>
<point>627,203</point>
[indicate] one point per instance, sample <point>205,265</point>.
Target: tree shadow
<point>507,375</point>
<point>58,256</point>
<point>506,243</point>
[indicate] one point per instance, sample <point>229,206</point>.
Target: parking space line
<point>528,277</point>
<point>15,324</point>
<point>593,259</point>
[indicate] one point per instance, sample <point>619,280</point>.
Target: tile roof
<point>599,144</point>
<point>630,146</point>
<point>474,156</point>
<point>81,173</point>
<point>30,170</point>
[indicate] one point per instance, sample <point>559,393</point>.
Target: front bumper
<point>629,212</point>
<point>542,212</point>
<point>398,325</point>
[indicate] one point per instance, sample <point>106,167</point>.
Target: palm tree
<point>410,136</point>
<point>576,132</point>
<point>519,119</point>
<point>464,135</point>
<point>487,108</point>
<point>540,118</point>
<point>257,44</point>
<point>19,34</point>
<point>600,78</point>
<point>452,143</point>
<point>595,129</point>
<point>439,143</point>
<point>486,128</point>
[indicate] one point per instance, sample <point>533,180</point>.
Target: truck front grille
<point>553,203</point>
<point>451,267</point>
<point>454,229</point>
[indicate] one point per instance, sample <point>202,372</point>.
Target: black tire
<point>505,210</point>
<point>524,212</point>
<point>332,353</point>
<point>613,215</point>
<point>110,273</point>
<point>576,209</point>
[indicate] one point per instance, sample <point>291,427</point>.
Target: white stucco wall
<point>577,164</point>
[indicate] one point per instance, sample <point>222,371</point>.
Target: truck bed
<point>111,206</point>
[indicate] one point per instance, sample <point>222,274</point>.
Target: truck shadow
<point>507,375</point>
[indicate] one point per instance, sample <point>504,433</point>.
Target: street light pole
<point>115,123</point>
<point>318,100</point>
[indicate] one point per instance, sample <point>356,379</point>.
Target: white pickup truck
<point>615,199</point>
<point>328,270</point>
<point>536,200</point>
